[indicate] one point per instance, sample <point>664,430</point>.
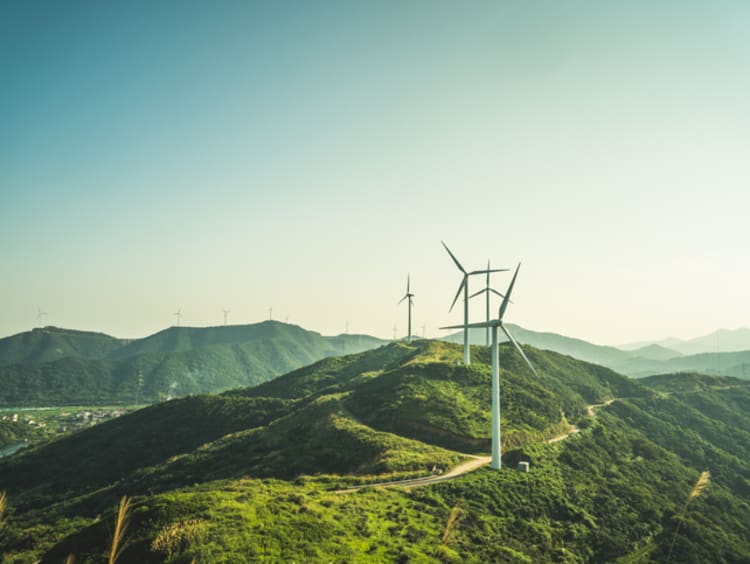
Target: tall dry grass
<point>453,520</point>
<point>122,520</point>
<point>701,484</point>
<point>3,506</point>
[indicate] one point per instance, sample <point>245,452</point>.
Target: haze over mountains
<point>644,359</point>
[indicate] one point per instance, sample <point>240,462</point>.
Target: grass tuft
<point>3,506</point>
<point>453,520</point>
<point>122,520</point>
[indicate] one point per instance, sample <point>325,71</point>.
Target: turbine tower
<point>494,324</point>
<point>408,296</point>
<point>178,314</point>
<point>487,290</point>
<point>40,315</point>
<point>465,287</point>
<point>226,311</point>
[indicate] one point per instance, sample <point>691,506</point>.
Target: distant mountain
<point>256,474</point>
<point>53,343</point>
<point>645,360</point>
<point>577,348</point>
<point>722,340</point>
<point>655,352</point>
<point>174,362</point>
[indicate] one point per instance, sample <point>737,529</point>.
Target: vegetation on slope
<point>174,362</point>
<point>262,487</point>
<point>53,343</point>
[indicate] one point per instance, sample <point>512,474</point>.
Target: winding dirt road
<point>463,468</point>
<point>470,465</point>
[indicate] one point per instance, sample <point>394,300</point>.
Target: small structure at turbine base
<point>523,466</point>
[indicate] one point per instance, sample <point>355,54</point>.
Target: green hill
<point>53,343</point>
<point>253,474</point>
<point>175,362</point>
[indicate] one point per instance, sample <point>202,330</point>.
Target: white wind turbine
<point>40,315</point>
<point>465,287</point>
<point>494,324</point>
<point>487,290</point>
<point>408,296</point>
<point>226,312</point>
<point>178,314</point>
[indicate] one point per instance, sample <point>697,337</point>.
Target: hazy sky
<point>157,155</point>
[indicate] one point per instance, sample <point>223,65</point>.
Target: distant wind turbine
<point>494,324</point>
<point>226,312</point>
<point>178,314</point>
<point>40,315</point>
<point>408,296</point>
<point>487,290</point>
<point>465,287</point>
<point>270,313</point>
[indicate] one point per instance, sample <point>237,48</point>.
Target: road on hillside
<point>465,467</point>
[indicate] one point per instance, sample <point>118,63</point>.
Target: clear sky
<point>157,155</point>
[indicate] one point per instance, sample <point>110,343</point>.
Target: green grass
<point>246,476</point>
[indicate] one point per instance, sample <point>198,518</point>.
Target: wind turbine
<point>487,290</point>
<point>408,296</point>
<point>226,311</point>
<point>178,314</point>
<point>465,287</point>
<point>494,324</point>
<point>40,314</point>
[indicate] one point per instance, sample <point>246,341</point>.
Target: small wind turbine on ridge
<point>226,311</point>
<point>465,287</point>
<point>178,314</point>
<point>494,324</point>
<point>408,296</point>
<point>40,315</point>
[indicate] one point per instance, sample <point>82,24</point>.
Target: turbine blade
<point>460,287</point>
<point>480,325</point>
<point>407,284</point>
<point>458,264</point>
<point>402,299</point>
<point>518,347</point>
<point>482,291</point>
<point>488,271</point>
<point>497,293</point>
<point>506,299</point>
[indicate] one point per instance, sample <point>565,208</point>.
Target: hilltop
<point>53,343</point>
<point>253,473</point>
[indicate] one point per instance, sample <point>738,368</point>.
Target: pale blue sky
<point>307,155</point>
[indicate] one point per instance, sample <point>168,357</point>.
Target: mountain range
<point>54,366</point>
<point>262,473</point>
<point>644,359</point>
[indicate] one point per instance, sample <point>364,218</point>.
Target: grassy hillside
<point>251,475</point>
<point>53,343</point>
